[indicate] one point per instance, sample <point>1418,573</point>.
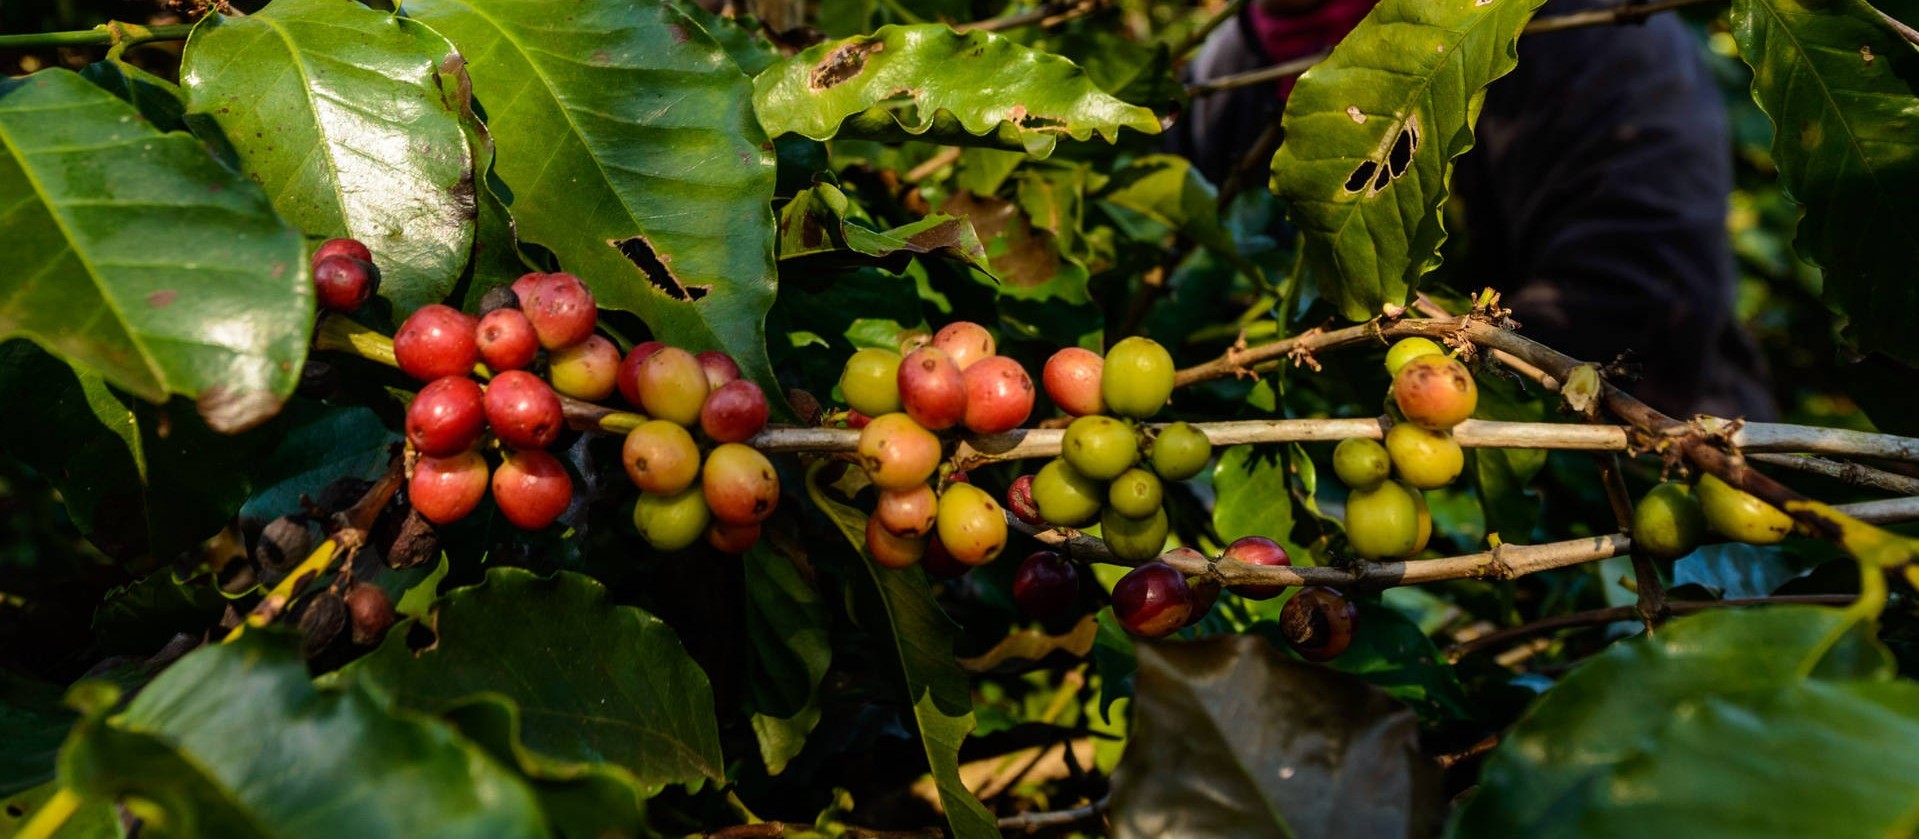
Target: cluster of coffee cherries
<point>1386,513</point>
<point>1673,518</point>
<point>725,496</point>
<point>899,401</point>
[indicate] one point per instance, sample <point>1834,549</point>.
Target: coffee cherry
<point>1423,520</point>
<point>719,367</point>
<point>500,297</point>
<point>732,538</point>
<point>1257,550</point>
<point>1072,381</point>
<point>1134,494</point>
<point>370,610</point>
<point>1361,463</point>
<point>734,413</point>
<point>740,483</point>
<point>343,284</point>
<point>629,375</point>
<point>1134,539</point>
<point>506,340</point>
<point>561,309</point>
<point>1382,522</point>
<point>1065,497</point>
<point>1424,458</point>
<point>999,395</point>
<point>447,489</point>
<point>1407,349</point>
<point>436,342</point>
<point>524,286</point>
<point>907,512</point>
<point>1205,592</point>
<point>897,453</point>
<point>1152,601</point>
<point>587,370</point>
<point>1180,451</point>
<point>532,489</point>
<point>1100,447</point>
<point>672,386</point>
<point>932,390</point>
<point>892,551</point>
<point>447,417</point>
<point>1045,586</point>
<point>1137,379</point>
<point>287,540</point>
<point>349,248</point>
<point>1435,392</point>
<point>871,382</point>
<point>966,342</point>
<point>1318,623</point>
<point>971,524</point>
<point>1739,515</point>
<point>660,457</point>
<point>673,521</point>
<point>940,563</point>
<point>523,411</point>
<point>1019,499</point>
<point>1668,523</point>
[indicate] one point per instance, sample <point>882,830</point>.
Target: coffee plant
<point>624,418</point>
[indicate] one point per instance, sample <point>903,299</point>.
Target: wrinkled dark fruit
<point>318,380</point>
<point>1318,623</point>
<point>1046,585</point>
<point>1019,499</point>
<point>371,611</point>
<point>497,298</point>
<point>283,543</point>
<point>1152,600</point>
<point>322,618</point>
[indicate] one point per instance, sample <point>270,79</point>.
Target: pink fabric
<point>1286,37</point>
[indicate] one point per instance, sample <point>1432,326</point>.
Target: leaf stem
<point>51,816</point>
<point>106,34</point>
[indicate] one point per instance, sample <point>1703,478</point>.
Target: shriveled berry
<point>447,417</point>
<point>672,386</point>
<point>371,611</point>
<point>1134,494</point>
<point>660,457</point>
<point>999,395</point>
<point>897,452</point>
<point>497,298</point>
<point>734,413</point>
<point>1046,585</point>
<point>1019,499</point>
<point>1100,447</point>
<point>971,524</point>
<point>1134,539</point>
<point>532,489</point>
<point>343,284</point>
<point>436,342</point>
<point>1071,378</point>
<point>741,485</point>
<point>349,248</point>
<point>1361,463</point>
<point>1435,392</point>
<point>892,551</point>
<point>966,342</point>
<point>732,538</point>
<point>870,382</point>
<point>907,512</point>
<point>719,367</point>
<point>1180,451</point>
<point>523,411</point>
<point>561,309</point>
<point>1407,349</point>
<point>672,521</point>
<point>932,390</point>
<point>283,543</point>
<point>1318,623</point>
<point>629,376</point>
<point>1152,600</point>
<point>447,489</point>
<point>1257,550</point>
<point>1137,379</point>
<point>1065,497</point>
<point>506,340</point>
<point>1424,458</point>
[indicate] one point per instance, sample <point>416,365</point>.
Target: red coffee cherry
<point>447,489</point>
<point>966,342</point>
<point>1257,550</point>
<point>720,368</point>
<point>446,418</point>
<point>506,340</point>
<point>732,538</point>
<point>999,395</point>
<point>349,248</point>
<point>907,512</point>
<point>932,389</point>
<point>561,309</point>
<point>436,342</point>
<point>892,551</point>
<point>523,411</point>
<point>740,484</point>
<point>1019,499</point>
<point>1046,585</point>
<point>1071,378</point>
<point>532,489</point>
<point>734,413</point>
<point>343,284</point>
<point>629,377</point>
<point>1435,392</point>
<point>1152,600</point>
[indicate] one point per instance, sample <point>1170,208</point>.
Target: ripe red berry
<point>1072,378</point>
<point>734,412</point>
<point>1046,585</point>
<point>1257,550</point>
<point>447,417</point>
<point>523,411</point>
<point>349,248</point>
<point>999,395</point>
<point>506,340</point>
<point>907,512</point>
<point>532,489</point>
<point>932,389</point>
<point>1318,623</point>
<point>587,370</point>
<point>446,489</point>
<point>740,484</point>
<point>561,309</point>
<point>1153,600</point>
<point>435,342</point>
<point>629,377</point>
<point>1019,499</point>
<point>966,342</point>
<point>524,286</point>
<point>343,284</point>
<point>720,368</point>
<point>732,538</point>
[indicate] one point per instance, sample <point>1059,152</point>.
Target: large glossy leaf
<point>343,115</point>
<point>1252,497</point>
<point>102,271</point>
<point>1371,134</point>
<point>1231,737</point>
<point>627,140</point>
<point>1843,93</point>
<point>922,636</point>
<point>929,82</point>
<point>787,625</point>
<point>235,741</point>
<point>1732,723</point>
<point>596,683</point>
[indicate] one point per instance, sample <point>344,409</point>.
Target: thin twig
<point>1030,822</point>
<point>1045,15</point>
<point>340,545</point>
<point>1908,33</point>
<point>1255,77</point>
<point>1853,473</point>
<point>945,157</point>
<point>1599,617</point>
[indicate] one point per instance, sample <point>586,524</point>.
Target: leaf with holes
<point>101,271</point>
<point>1371,134</point>
<point>928,82</point>
<point>632,155</point>
<point>1842,90</point>
<point>349,118</point>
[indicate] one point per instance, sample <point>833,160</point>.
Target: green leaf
<point>1371,135</point>
<point>626,138</point>
<point>1252,497</point>
<point>142,616</point>
<point>922,636</point>
<point>739,36</point>
<point>787,626</point>
<point>1168,189</point>
<point>814,227</point>
<point>344,115</point>
<point>157,99</point>
<point>1316,754</point>
<point>1501,476</point>
<point>33,722</point>
<point>103,273</point>
<point>931,83</point>
<point>318,445</point>
<point>1839,87</point>
<point>94,819</point>
<point>1392,653</point>
<point>1731,723</point>
<point>644,706</point>
<point>234,741</point>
